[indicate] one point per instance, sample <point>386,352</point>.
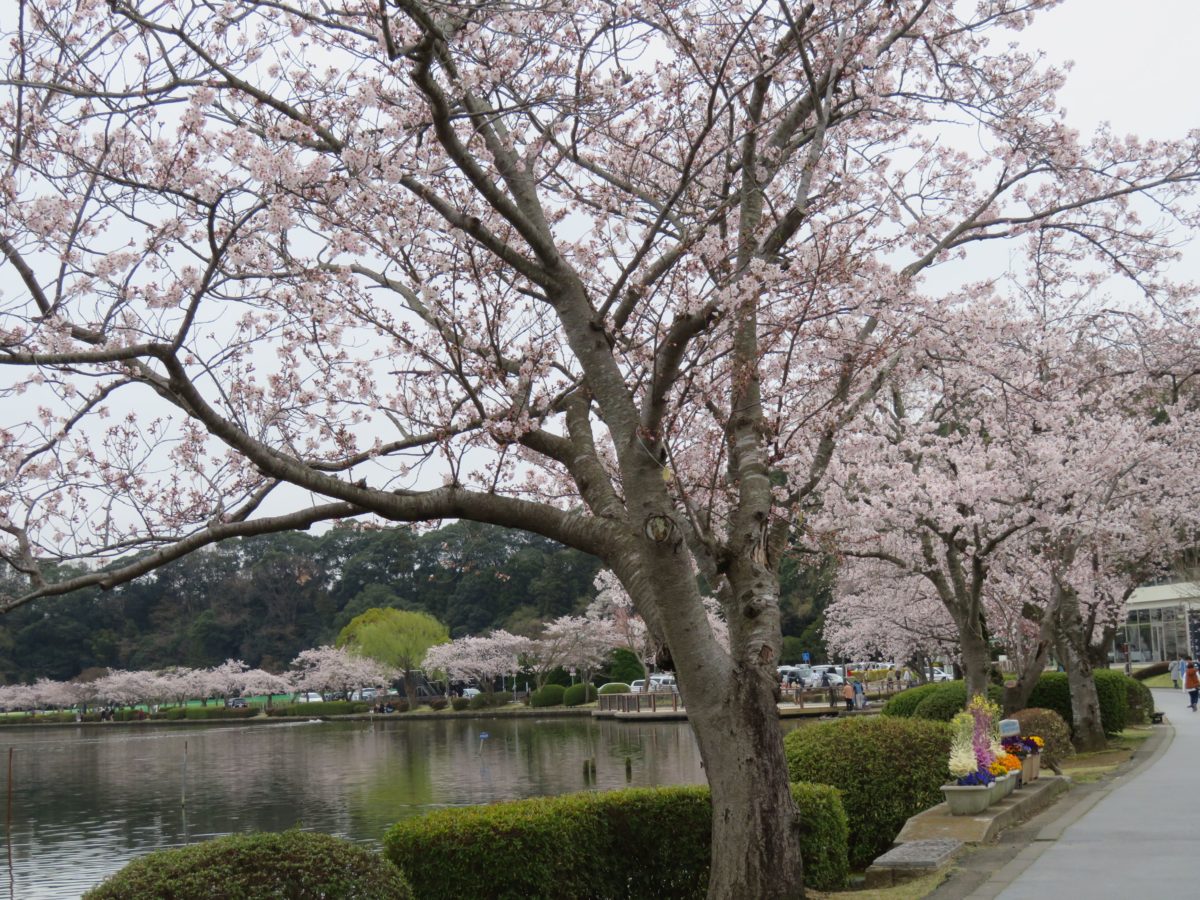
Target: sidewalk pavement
<point>1135,833</point>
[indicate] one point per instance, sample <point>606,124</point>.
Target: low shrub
<point>1050,727</point>
<point>550,695</point>
<point>1053,691</point>
<point>437,703</point>
<point>294,864</point>
<point>940,701</point>
<point>614,687</point>
<point>1112,689</point>
<point>943,703</point>
<point>483,701</point>
<point>636,843</point>
<point>578,694</point>
<point>888,769</point>
<point>460,703</point>
<point>400,706</point>
<point>1139,702</point>
<point>905,702</point>
<point>1158,668</point>
<point>138,715</point>
<point>218,712</point>
<point>324,708</point>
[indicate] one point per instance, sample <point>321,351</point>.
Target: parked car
<point>236,703</point>
<point>818,670</point>
<point>942,675</point>
<point>309,697</point>
<point>364,694</point>
<point>661,683</point>
<point>825,678</point>
<point>469,693</point>
<point>794,674</point>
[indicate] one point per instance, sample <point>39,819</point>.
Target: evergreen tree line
<point>264,599</point>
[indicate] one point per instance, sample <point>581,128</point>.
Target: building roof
<point>1159,595</point>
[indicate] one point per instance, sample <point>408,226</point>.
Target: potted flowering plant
<point>1012,768</point>
<point>970,759</point>
<point>1031,763</point>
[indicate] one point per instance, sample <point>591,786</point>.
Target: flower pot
<point>1010,783</point>
<point>967,800</point>
<point>1030,767</point>
<point>996,789</point>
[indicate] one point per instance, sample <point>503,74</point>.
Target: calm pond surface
<point>88,800</point>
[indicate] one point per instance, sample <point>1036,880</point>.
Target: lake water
<point>86,800</point>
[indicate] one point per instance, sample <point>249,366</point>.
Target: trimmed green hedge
<point>550,695</point>
<point>1123,700</point>
<point>325,708</point>
<point>943,703</point>
<point>204,712</point>
<point>940,701</point>
<point>614,687</point>
<point>888,769</point>
<point>905,702</point>
<point>460,703</point>
<point>578,694</point>
<point>637,843</point>
<point>1140,702</point>
<point>1112,689</point>
<point>299,865</point>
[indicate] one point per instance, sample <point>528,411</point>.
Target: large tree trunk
<point>755,824</point>
<point>976,657</point>
<point>731,698</point>
<point>1085,702</point>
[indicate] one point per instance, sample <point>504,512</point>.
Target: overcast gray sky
<point>1135,63</point>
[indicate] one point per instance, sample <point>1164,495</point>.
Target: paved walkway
<point>1136,836</point>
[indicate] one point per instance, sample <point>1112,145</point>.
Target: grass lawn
<point>912,890</point>
<point>1159,681</point>
<point>1087,767</point>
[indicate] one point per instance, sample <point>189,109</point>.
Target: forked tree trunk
<point>1018,691</point>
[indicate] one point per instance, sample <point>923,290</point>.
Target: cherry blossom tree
<point>259,681</point>
<point>1010,471</point>
<point>227,679</point>
<point>479,659</point>
<point>879,611</point>
<point>336,669</point>
<point>615,275</point>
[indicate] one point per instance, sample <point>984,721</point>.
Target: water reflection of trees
<point>88,800</point>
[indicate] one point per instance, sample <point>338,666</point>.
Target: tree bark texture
<point>1086,724</point>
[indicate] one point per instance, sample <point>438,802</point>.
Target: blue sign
<point>483,735</point>
<point>805,656</point>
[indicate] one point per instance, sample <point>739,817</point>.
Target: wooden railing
<point>652,702</point>
<point>655,701</point>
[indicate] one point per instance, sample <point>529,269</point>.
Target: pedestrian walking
<point>1191,684</point>
<point>848,696</point>
<point>1176,670</point>
<point>860,693</point>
